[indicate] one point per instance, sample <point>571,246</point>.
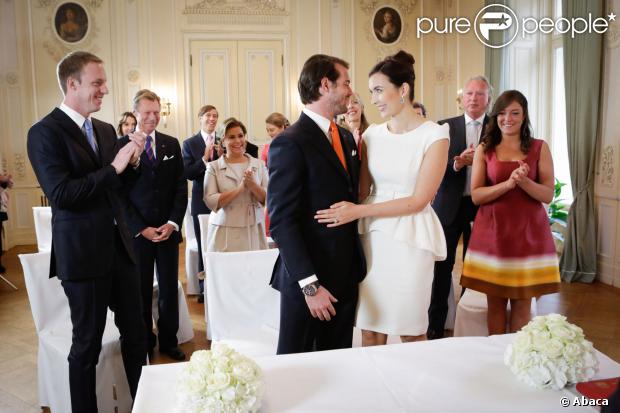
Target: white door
<point>241,78</point>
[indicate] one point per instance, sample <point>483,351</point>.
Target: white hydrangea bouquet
<point>219,380</point>
<point>550,352</point>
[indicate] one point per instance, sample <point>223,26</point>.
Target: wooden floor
<point>594,307</point>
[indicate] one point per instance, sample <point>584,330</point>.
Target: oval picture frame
<point>387,25</point>
<point>71,22</point>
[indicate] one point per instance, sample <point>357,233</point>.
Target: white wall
<point>607,185</point>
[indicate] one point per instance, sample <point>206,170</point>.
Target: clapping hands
<point>248,179</point>
<point>519,175</point>
<point>466,158</point>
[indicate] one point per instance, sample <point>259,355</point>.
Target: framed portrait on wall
<point>71,22</point>
<point>387,25</point>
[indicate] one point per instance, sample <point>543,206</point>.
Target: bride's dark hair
<point>399,69</point>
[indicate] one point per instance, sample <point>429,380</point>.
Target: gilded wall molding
<point>612,37</point>
<point>238,7</point>
<point>607,166</point>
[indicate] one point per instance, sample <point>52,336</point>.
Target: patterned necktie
<point>87,129</point>
<point>148,149</point>
<point>337,144</point>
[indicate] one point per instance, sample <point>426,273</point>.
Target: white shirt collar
<point>322,122</point>
<point>480,119</point>
<point>75,116</point>
<point>205,135</point>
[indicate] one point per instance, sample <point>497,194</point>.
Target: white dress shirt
<point>472,138</point>
<point>209,139</point>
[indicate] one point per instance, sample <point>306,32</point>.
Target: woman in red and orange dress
<point>274,124</point>
<point>511,254</point>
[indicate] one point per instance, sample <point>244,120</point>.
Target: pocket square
<point>166,157</point>
<point>353,152</point>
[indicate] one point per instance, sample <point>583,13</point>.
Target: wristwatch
<point>311,289</point>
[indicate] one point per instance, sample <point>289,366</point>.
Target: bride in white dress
<point>403,162</point>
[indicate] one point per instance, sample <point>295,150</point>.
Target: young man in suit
<point>82,169</point>
<point>453,203</point>
<point>159,199</point>
<point>198,151</point>
<point>312,165</point>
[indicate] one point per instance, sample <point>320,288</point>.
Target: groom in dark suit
<point>312,165</point>
<point>453,203</point>
<point>198,151</point>
<point>159,200</point>
<point>82,170</point>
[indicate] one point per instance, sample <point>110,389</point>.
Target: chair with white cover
<point>43,227</point>
<point>471,314</point>
<point>186,330</point>
<point>51,314</point>
<point>191,252</point>
<point>244,311</point>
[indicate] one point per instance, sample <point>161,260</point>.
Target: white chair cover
<point>51,314</point>
<point>471,314</point>
<point>203,222</point>
<point>43,227</point>
<point>186,329</point>
<point>191,252</point>
<point>244,311</point>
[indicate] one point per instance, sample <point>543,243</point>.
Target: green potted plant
<point>558,216</point>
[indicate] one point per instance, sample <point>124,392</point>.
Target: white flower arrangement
<point>219,380</point>
<point>550,352</point>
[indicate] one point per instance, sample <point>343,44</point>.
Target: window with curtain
<point>559,147</point>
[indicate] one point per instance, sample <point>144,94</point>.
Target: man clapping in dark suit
<point>453,203</point>
<point>82,168</point>
<point>314,164</point>
<point>159,199</point>
<point>198,151</point>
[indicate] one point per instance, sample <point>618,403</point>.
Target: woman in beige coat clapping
<point>234,189</point>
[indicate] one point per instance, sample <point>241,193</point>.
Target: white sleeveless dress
<point>400,251</point>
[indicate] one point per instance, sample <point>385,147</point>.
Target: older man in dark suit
<point>81,169</point>
<point>453,203</point>
<point>198,151</point>
<point>312,165</point>
<point>159,199</point>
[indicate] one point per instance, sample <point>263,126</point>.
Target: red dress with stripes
<point>511,253</point>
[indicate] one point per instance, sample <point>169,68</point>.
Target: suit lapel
<point>75,133</point>
<point>318,139</point>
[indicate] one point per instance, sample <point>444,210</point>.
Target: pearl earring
<point>402,100</point>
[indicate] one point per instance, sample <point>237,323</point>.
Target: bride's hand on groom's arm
<point>339,214</point>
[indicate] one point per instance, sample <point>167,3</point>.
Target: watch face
<point>310,290</point>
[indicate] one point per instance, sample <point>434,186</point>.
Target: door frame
<point>235,36</point>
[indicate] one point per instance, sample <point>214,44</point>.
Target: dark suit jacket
<point>84,192</point>
<point>193,151</point>
<point>305,175</point>
<point>450,192</point>
<point>160,192</point>
<point>251,150</point>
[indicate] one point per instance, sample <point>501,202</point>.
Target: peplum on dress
<point>400,251</point>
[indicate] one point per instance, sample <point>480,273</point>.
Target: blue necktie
<point>148,148</point>
<point>90,134</point>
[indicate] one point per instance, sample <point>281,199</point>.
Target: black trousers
<point>300,332</point>
<point>89,301</point>
<point>442,281</point>
<point>165,255</point>
<point>201,265</point>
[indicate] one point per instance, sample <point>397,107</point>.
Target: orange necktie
<point>337,144</point>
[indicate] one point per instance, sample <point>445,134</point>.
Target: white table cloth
<point>464,374</point>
